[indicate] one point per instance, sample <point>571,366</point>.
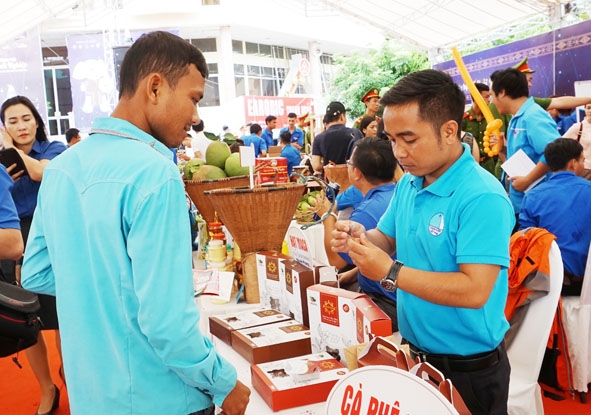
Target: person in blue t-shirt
<point>289,151</point>
<point>297,135</point>
<point>450,275</point>
<point>271,122</point>
<point>260,147</point>
<point>370,170</point>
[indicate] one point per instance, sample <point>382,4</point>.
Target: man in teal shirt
<point>113,245</point>
<point>451,273</point>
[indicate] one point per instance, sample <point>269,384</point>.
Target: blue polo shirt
<point>368,212</point>
<point>464,217</point>
<point>25,190</point>
<point>293,157</point>
<point>561,206</point>
<point>530,130</point>
<point>268,137</point>
<point>8,215</point>
<point>350,197</point>
<point>296,137</point>
<point>258,142</point>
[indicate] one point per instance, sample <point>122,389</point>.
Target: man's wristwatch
<point>388,283</point>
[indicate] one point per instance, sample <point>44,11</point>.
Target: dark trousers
<point>206,411</point>
<point>486,391</point>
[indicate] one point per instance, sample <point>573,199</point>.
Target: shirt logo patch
<point>436,224</point>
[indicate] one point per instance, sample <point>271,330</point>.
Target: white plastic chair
<point>526,352</point>
<point>576,318</point>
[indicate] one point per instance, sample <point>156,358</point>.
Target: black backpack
<point>19,323</point>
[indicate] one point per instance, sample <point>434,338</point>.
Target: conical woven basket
<point>337,173</point>
<point>257,218</point>
<point>195,189</point>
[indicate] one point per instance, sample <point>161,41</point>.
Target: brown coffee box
<point>223,325</point>
<point>270,286</point>
<point>297,381</point>
<point>371,320</point>
<point>296,279</point>
<point>333,319</point>
<point>271,170</point>
<point>272,341</point>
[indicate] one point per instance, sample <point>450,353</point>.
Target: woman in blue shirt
<point>24,130</point>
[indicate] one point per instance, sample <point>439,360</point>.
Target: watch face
<point>388,284</point>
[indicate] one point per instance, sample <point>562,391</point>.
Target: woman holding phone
<point>24,130</point>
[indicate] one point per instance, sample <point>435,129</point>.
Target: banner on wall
<point>559,57</point>
<point>256,109</point>
<point>21,71</point>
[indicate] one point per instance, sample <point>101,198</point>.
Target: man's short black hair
<point>158,52</point>
<point>480,87</point>
<point>560,151</point>
<point>285,137</point>
<point>438,97</point>
<point>292,115</point>
<point>255,128</point>
<point>71,134</point>
<point>375,159</point>
<point>510,80</point>
<point>270,118</point>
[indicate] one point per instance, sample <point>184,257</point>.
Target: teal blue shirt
<point>113,244</point>
<point>530,130</point>
<point>464,217</point>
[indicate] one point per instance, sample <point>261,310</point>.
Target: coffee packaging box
<point>223,325</point>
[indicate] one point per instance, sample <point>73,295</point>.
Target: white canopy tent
<point>339,24</point>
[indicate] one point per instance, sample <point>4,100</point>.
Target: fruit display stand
<point>195,189</point>
<point>258,220</point>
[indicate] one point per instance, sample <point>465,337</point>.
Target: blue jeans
<point>206,411</point>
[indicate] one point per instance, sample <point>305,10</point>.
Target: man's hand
<point>372,261</point>
<point>519,183</point>
<point>343,231</point>
<point>237,400</point>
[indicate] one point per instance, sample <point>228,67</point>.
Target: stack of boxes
<point>297,350</point>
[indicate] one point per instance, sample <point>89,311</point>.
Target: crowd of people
<point>434,242</point>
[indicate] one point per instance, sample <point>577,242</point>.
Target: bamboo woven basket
<point>258,220</point>
<point>195,189</point>
<point>337,173</point>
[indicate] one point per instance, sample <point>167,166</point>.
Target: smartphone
<point>10,156</point>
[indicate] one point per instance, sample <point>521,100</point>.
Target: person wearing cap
<point>371,99</point>
<point>331,145</point>
<point>297,135</point>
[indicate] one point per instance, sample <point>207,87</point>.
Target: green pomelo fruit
<point>207,172</point>
<point>217,153</point>
<point>233,167</point>
<point>191,167</point>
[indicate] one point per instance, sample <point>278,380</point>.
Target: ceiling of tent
<point>423,24</point>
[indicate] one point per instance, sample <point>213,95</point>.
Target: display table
<point>256,406</point>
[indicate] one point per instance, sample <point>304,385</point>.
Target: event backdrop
<point>21,70</point>
<point>560,58</point>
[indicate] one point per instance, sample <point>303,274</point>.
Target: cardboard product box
<point>223,325</point>
<point>326,274</point>
<point>272,341</point>
<point>333,319</point>
<point>270,287</point>
<point>271,170</point>
<point>296,279</point>
<point>298,381</point>
<point>371,320</point>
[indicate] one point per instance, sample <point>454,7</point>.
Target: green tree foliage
<point>382,68</point>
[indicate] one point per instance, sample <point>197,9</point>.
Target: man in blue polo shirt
<point>267,135</point>
<point>561,206</point>
<point>11,240</point>
<point>531,128</point>
<point>449,224</point>
<point>370,170</point>
<point>260,147</point>
<point>297,135</point>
